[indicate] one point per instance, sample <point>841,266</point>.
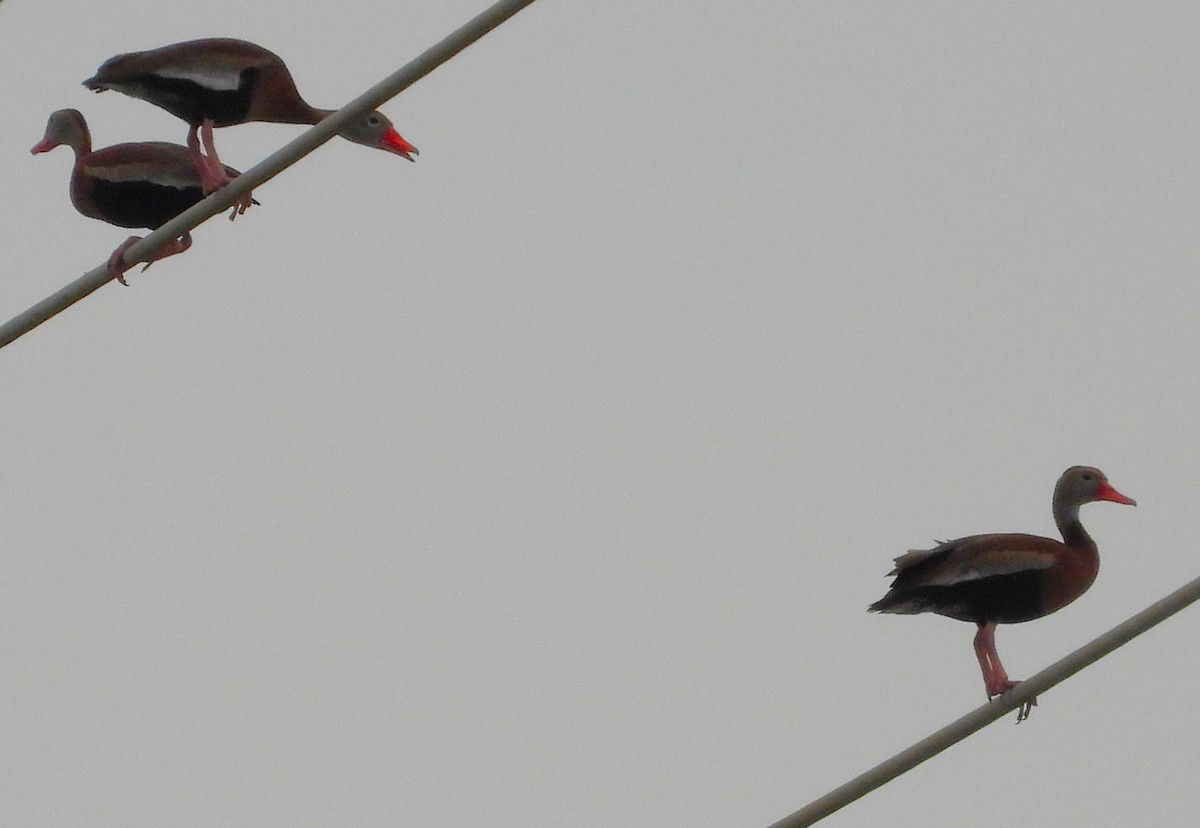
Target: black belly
<point>1005,599</point>
<point>141,203</point>
<point>191,101</point>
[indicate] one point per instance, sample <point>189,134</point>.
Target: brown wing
<point>983,556</point>
<point>978,578</point>
<point>214,62</point>
<point>137,185</point>
<point>154,161</point>
<point>158,162</point>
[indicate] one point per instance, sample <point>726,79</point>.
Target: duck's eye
<point>1087,477</point>
<point>373,120</point>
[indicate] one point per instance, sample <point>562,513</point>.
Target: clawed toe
<point>116,262</point>
<point>242,205</point>
<point>1025,709</point>
<point>999,690</point>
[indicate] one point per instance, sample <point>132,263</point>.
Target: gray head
<point>375,130</point>
<point>1084,484</point>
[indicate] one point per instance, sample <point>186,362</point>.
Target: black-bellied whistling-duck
<point>220,81</point>
<point>129,185</point>
<point>1005,578</point>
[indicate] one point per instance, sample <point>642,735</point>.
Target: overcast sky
<point>546,481</point>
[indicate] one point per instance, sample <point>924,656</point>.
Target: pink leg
<point>212,176</point>
<point>116,262</point>
<point>995,680</point>
<point>200,162</point>
<point>117,265</point>
<point>216,176</point>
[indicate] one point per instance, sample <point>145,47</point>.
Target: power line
<point>955,732</point>
<point>271,166</point>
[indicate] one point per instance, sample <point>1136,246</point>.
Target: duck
<point>1005,578</point>
<point>143,184</point>
<point>221,81</point>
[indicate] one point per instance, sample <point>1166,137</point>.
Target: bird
<point>130,185</point>
<point>221,81</point>
<point>1005,578</point>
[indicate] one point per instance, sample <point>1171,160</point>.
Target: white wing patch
<point>216,78</point>
<point>990,565</point>
<point>137,172</point>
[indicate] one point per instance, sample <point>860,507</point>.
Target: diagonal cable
<point>982,716</point>
<point>271,166</point>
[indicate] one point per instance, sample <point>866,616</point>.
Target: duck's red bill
<point>392,142</point>
<point>1107,492</point>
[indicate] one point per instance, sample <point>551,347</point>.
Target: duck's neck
<point>1074,535</point>
<point>80,140</point>
<point>319,115</point>
<point>298,111</point>
<point>278,101</point>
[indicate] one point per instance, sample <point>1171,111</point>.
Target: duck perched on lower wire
<point>130,185</point>
<point>1005,578</point>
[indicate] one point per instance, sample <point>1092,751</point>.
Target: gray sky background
<point>546,481</point>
